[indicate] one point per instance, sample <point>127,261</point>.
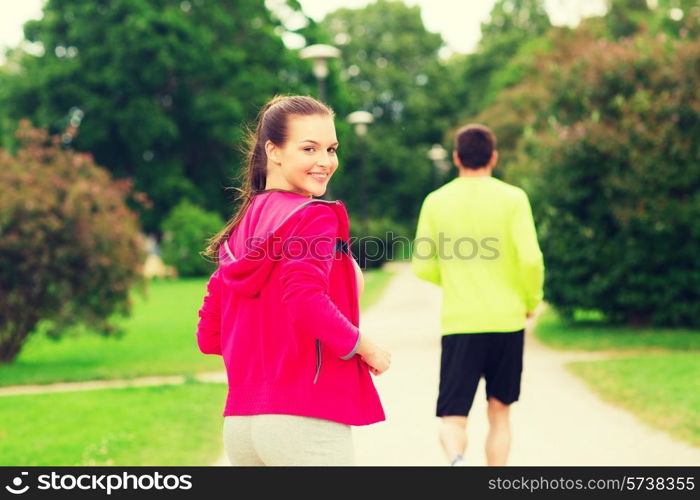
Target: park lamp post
<point>359,120</point>
<point>437,155</point>
<point>319,54</point>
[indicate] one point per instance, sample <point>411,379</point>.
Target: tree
<point>185,233</point>
<point>511,98</point>
<point>674,18</point>
<point>70,249</point>
<point>525,18</point>
<point>625,17</point>
<point>611,157</point>
<point>677,18</point>
<point>513,26</point>
<point>157,90</point>
<point>393,70</point>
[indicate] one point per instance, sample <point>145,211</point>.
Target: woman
<point>282,307</point>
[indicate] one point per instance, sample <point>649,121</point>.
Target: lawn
<point>655,373</point>
<point>375,284</point>
<point>145,426</point>
<point>663,390</point>
<point>595,335</point>
<point>163,425</point>
<point>159,340</point>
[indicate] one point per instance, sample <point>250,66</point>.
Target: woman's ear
<point>272,152</point>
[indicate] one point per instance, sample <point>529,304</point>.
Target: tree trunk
<point>638,319</point>
<point>12,339</point>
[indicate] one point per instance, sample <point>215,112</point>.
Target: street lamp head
<point>360,119</point>
<point>437,153</point>
<point>319,54</point>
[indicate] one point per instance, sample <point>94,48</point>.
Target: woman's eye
<point>332,150</point>
<point>309,149</point>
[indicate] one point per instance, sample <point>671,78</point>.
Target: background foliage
<point>185,232</point>
<point>597,122</point>
<point>601,133</point>
<point>157,90</point>
<point>70,249</point>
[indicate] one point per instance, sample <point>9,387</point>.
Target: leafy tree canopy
<point>156,90</point>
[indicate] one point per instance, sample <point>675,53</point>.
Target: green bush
<point>617,194</point>
<point>603,136</point>
<point>70,249</point>
<point>185,232</point>
<point>381,241</point>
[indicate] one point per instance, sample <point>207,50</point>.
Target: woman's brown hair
<point>271,125</point>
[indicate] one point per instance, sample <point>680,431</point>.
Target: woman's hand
<point>377,358</point>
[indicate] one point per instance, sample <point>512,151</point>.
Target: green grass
<point>654,373</point>
<point>594,335</point>
<point>159,340</point>
<point>146,426</point>
<point>663,390</point>
<point>164,425</point>
<point>375,284</point>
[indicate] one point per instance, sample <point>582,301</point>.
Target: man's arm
<point>530,261</point>
<point>425,251</point>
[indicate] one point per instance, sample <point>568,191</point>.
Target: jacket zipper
<point>318,359</point>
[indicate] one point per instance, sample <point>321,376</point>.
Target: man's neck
<point>475,172</point>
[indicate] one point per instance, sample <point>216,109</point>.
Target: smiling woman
<point>307,160</point>
<point>282,308</point>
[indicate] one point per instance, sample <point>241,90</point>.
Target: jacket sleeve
<point>530,261</point>
<point>424,260</point>
<point>309,251</point>
<point>209,326</point>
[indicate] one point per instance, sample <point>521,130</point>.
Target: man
<point>476,239</point>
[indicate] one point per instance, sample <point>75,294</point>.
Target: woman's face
<point>308,160</point>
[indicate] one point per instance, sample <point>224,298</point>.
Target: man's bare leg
<point>499,438</point>
<point>453,437</point>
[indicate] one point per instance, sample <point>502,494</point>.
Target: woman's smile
<point>318,176</point>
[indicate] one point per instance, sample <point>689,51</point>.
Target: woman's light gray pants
<point>287,440</point>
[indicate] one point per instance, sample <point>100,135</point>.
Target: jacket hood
<point>256,244</point>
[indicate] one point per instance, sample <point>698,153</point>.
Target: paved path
<point>91,385</point>
<point>558,420</point>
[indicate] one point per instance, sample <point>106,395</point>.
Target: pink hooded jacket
<point>282,310</point>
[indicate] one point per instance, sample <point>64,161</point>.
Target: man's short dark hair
<point>475,144</point>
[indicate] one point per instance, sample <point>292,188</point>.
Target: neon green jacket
<point>476,239</point>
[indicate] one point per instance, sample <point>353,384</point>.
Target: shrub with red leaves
<point>70,248</point>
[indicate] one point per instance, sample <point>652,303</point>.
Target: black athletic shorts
<point>466,357</point>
